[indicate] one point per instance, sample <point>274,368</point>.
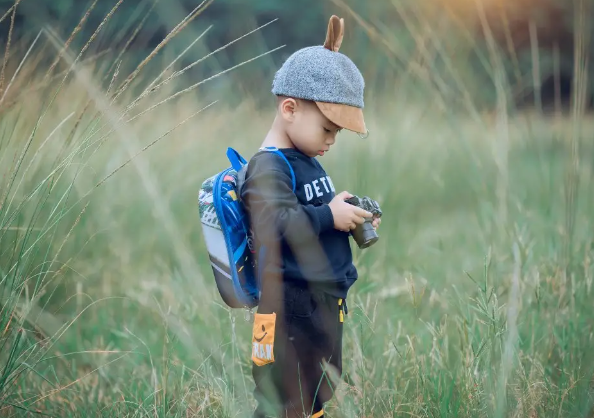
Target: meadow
<point>476,301</point>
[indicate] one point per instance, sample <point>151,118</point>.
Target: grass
<point>475,302</point>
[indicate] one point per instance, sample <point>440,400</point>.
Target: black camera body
<point>364,234</point>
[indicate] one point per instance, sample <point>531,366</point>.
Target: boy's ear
<point>287,108</point>
<point>335,34</point>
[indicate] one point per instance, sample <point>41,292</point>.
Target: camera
<point>364,234</point>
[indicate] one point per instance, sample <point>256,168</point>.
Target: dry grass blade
<point>195,13</point>
<point>511,49</point>
<point>536,75</point>
<point>154,142</point>
<point>74,382</point>
<point>20,228</point>
<point>19,69</point>
<point>581,62</point>
<point>7,50</point>
<point>423,57</point>
<point>132,37</point>
<point>510,347</point>
<point>168,67</point>
<point>5,15</point>
<point>444,91</point>
<point>94,35</point>
<point>117,62</point>
<point>22,408</point>
<point>114,77</point>
<point>23,177</point>
<point>67,236</point>
<point>70,39</point>
<point>34,87</point>
<point>178,73</point>
<point>502,144</point>
<point>151,89</point>
<point>194,86</point>
<point>53,34</point>
<point>557,78</point>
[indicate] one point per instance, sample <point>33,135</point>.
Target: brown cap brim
<point>347,117</point>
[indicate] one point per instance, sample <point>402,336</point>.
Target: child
<point>306,269</point>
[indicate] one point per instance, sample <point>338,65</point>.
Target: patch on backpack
<point>263,339</point>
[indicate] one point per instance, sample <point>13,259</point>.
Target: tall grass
<point>472,303</point>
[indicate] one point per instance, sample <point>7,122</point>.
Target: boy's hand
<point>376,222</point>
<point>347,216</point>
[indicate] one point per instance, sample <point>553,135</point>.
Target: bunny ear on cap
<point>345,116</point>
<point>334,34</point>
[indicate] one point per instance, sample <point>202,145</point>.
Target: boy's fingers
<point>363,213</point>
<point>344,195</point>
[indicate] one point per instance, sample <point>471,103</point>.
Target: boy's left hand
<point>376,222</point>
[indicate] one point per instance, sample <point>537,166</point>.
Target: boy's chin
<point>312,154</point>
<point>316,153</point>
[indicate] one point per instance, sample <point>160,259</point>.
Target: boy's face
<point>309,130</point>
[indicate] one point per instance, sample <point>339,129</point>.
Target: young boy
<point>306,268</point>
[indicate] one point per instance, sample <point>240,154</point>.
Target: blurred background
<point>400,45</point>
<point>476,301</point>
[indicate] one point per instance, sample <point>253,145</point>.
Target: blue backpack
<point>227,233</point>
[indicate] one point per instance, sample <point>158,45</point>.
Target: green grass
<point>473,303</point>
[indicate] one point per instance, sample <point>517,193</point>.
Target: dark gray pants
<point>308,338</point>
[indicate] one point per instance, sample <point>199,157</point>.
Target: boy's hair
<point>327,77</point>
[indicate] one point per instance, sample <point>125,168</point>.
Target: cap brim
<point>347,117</point>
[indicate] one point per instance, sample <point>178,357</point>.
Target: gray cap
<point>327,77</point>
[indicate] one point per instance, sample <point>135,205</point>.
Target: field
<point>476,301</point>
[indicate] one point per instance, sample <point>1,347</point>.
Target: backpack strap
<point>239,163</point>
<point>236,160</point>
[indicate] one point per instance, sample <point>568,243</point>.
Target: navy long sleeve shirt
<point>297,228</point>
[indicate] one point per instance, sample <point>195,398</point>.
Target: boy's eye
<point>327,130</point>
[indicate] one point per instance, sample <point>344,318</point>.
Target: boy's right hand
<point>347,216</point>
